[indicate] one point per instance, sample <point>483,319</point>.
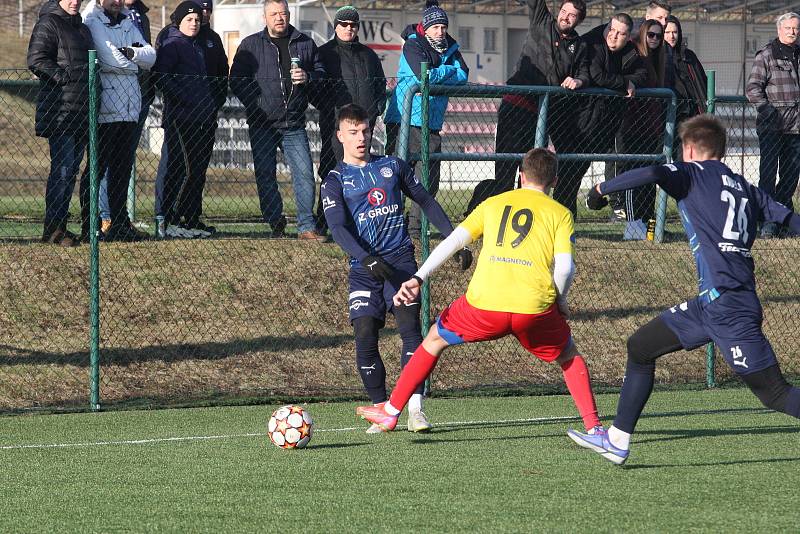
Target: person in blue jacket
<point>428,42</point>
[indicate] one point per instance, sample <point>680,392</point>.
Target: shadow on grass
<point>713,464</point>
<point>338,445</point>
<point>676,434</point>
<point>210,350</point>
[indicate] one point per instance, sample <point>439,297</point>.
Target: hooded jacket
<point>180,74</point>
<point>58,54</point>
<point>256,80</point>
<point>774,86</point>
<point>447,68</point>
<point>689,79</point>
<point>120,97</point>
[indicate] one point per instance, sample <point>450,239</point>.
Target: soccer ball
<point>290,427</point>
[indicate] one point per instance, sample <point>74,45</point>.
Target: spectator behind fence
<point>354,75</point>
<point>121,52</point>
<point>614,64</point>
<point>553,54</point>
<point>427,41</point>
<point>189,207</point>
<point>269,75</point>
<point>137,12</point>
<point>774,86</point>
<point>58,54</point>
<point>685,75</point>
<point>656,10</point>
<point>189,122</point>
<point>642,129</point>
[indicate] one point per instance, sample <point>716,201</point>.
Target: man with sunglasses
<point>354,75</point>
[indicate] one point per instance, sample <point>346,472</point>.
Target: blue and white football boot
<point>598,442</point>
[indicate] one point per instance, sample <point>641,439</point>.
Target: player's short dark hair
<point>540,166</point>
<point>352,113</point>
<point>623,18</point>
<point>658,3</point>
<point>706,133</point>
<point>580,7</point>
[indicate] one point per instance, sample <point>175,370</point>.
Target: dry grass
<point>198,320</point>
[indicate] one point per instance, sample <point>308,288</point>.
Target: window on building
<point>465,38</point>
<point>490,40</point>
<point>306,26</point>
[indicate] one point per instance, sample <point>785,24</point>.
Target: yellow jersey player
<point>519,288</point>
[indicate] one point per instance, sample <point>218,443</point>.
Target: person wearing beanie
<point>426,41</point>
<point>189,122</point>
<point>354,75</point>
<point>271,76</point>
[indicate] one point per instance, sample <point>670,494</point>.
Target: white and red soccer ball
<point>290,427</point>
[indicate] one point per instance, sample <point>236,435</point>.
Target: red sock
<point>418,368</point>
<point>576,375</point>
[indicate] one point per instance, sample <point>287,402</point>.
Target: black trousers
<point>189,146</point>
<point>114,154</point>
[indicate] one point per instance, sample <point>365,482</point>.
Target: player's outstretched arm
<point>455,242</point>
<point>670,177</point>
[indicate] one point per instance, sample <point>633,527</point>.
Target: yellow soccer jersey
<point>522,232</point>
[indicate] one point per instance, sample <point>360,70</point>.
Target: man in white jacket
<point>121,51</point>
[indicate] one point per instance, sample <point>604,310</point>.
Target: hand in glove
<point>377,268</point>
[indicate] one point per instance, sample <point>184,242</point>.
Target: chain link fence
<point>223,302</point>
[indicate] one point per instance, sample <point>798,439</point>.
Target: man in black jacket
<point>553,54</point>
<point>270,75</point>
<point>58,53</point>
<point>615,64</point>
<point>354,75</point>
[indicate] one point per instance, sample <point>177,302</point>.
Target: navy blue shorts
<point>373,298</point>
<point>732,321</point>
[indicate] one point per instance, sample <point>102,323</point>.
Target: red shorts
<point>545,335</point>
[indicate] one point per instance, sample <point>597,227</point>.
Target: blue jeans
<point>66,153</point>
<point>780,153</point>
<point>294,144</point>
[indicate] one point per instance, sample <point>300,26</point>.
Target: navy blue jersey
<point>364,206</point>
<point>720,211</point>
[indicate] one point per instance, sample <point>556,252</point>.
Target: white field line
<point>263,434</point>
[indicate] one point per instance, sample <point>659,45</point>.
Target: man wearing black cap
<point>354,75</point>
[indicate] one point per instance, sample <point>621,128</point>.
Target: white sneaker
<point>635,231</point>
<point>417,422</point>
<point>174,231</point>
<point>374,429</point>
<point>196,232</point>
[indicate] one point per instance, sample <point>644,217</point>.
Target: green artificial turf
<point>701,461</point>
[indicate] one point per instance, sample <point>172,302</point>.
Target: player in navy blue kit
<point>362,198</point>
<point>720,212</point>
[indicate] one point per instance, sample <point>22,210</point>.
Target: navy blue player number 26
<point>740,215</point>
<point>521,223</point>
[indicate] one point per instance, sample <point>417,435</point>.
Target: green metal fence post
<point>425,160</point>
<point>669,138</point>
<point>541,121</point>
<point>401,150</point>
<point>711,92</point>
<point>94,251</point>
<point>711,107</point>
